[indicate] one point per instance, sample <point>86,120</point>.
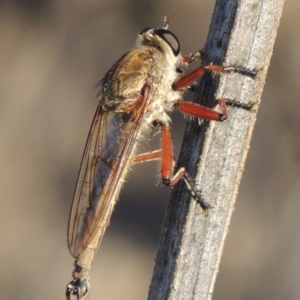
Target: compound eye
<point>145,30</point>
<point>170,39</point>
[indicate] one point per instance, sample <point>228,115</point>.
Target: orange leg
<point>183,83</point>
<point>166,156</point>
<point>170,179</point>
<point>202,112</point>
<point>199,111</point>
<point>167,159</point>
<point>149,156</point>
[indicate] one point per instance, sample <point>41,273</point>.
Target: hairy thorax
<point>124,84</point>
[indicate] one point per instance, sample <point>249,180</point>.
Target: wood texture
<point>241,33</point>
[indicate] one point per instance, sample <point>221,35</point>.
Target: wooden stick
<point>241,33</point>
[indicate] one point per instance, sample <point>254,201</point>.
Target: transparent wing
<point>106,156</point>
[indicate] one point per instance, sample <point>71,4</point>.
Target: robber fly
<point>139,90</point>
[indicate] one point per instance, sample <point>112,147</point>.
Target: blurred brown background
<point>52,54</point>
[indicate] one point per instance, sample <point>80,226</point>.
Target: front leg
<point>185,82</point>
<point>192,57</point>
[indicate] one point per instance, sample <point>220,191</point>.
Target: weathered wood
<point>241,33</point>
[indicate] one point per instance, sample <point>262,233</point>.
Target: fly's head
<point>161,40</point>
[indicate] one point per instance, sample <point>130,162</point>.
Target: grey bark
<point>241,33</point>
